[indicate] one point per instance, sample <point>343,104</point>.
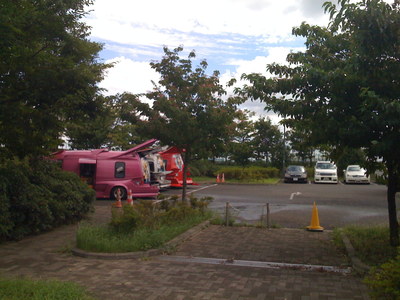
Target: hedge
<point>38,197</point>
<point>248,173</point>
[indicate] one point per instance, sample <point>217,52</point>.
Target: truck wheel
<point>113,195</point>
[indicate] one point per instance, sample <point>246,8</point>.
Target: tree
<point>91,128</point>
<point>128,111</point>
<point>111,122</point>
<point>349,156</point>
<point>268,142</point>
<point>344,87</point>
<point>240,146</point>
<point>188,111</point>
<point>48,72</point>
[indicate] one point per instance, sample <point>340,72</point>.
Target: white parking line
<point>205,187</point>
<point>294,194</point>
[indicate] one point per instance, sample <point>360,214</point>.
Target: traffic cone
<point>129,198</point>
<point>218,178</point>
<point>223,177</point>
<point>314,226</point>
<point>118,203</point>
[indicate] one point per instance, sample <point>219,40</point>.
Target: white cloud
<point>234,34</point>
<point>257,65</point>
<point>153,21</point>
<point>129,76</point>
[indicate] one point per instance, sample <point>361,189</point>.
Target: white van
<point>325,172</point>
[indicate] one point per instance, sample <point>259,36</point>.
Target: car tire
<point>113,194</point>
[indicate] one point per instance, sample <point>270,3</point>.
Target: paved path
<point>45,256</point>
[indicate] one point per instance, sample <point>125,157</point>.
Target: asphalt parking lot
<point>291,205</point>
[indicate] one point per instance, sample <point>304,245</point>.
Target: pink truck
<point>106,171</point>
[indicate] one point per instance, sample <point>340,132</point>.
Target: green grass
<point>104,239</point>
<point>244,181</point>
<point>371,244</point>
<point>254,181</point>
<point>17,289</point>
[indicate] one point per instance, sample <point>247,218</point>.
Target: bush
<point>125,222</point>
<point>203,168</point>
<point>143,226</point>
<point>146,214</point>
<point>310,172</point>
<point>248,173</point>
<point>384,281</point>
<point>36,197</point>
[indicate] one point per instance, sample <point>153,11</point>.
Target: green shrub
<point>38,196</point>
<point>126,221</point>
<point>248,173</point>
<point>146,214</point>
<point>200,204</point>
<point>143,226</point>
<point>381,179</point>
<point>384,282</point>
<point>203,168</point>
<point>310,172</point>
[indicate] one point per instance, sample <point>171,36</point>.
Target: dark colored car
<point>295,174</point>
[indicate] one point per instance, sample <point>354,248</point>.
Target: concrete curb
<point>356,263</point>
<point>141,254</point>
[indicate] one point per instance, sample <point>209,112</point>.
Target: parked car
<point>295,174</point>
<point>356,174</point>
<point>325,172</point>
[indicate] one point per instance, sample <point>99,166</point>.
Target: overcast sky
<point>234,36</point>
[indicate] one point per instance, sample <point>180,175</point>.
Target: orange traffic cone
<point>118,203</point>
<point>314,226</point>
<point>223,177</point>
<point>218,178</point>
<point>129,198</point>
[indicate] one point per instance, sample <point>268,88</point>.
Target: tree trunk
<point>393,179</point>
<point>186,161</point>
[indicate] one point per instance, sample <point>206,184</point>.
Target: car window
<point>296,168</point>
<point>119,170</point>
<point>325,166</point>
<point>354,168</point>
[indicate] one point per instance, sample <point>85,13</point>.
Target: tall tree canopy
<point>112,122</point>
<point>345,86</point>
<point>240,146</point>
<point>268,142</point>
<point>188,110</point>
<point>49,72</point>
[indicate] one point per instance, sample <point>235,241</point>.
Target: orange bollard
<point>118,203</point>
<point>223,177</point>
<point>129,198</point>
<point>218,178</point>
<point>314,226</point>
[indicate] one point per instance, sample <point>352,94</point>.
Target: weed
<point>371,253</point>
<point>384,281</point>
